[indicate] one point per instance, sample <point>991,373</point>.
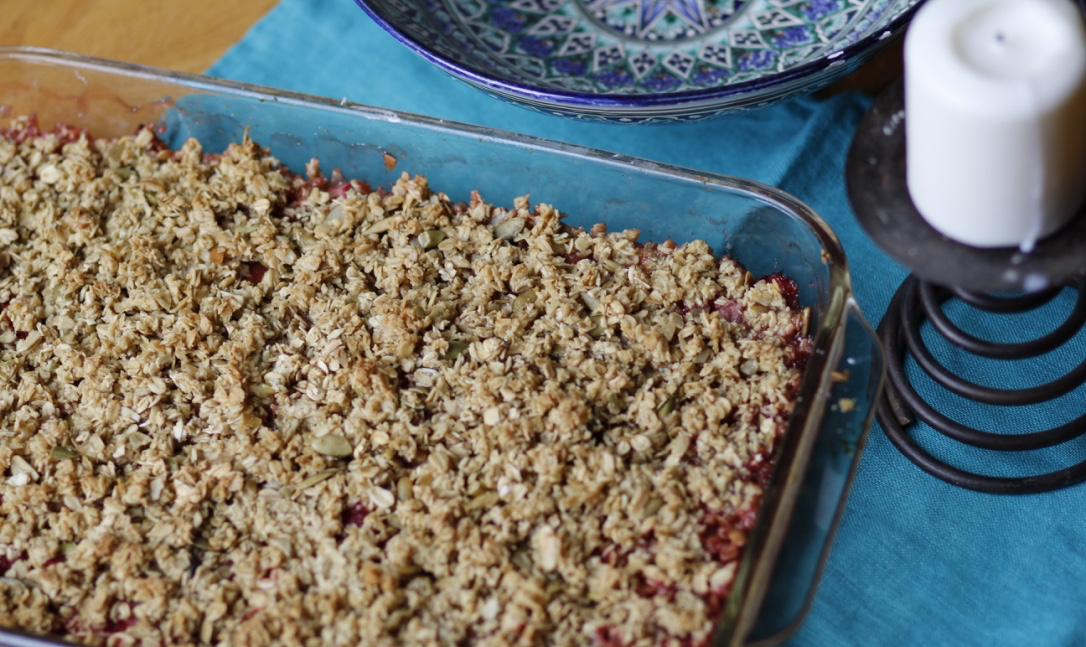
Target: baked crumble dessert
<point>240,406</point>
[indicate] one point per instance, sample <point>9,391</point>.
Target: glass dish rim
<point>832,247</point>
<point>759,558</point>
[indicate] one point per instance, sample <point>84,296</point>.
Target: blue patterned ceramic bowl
<point>644,60</point>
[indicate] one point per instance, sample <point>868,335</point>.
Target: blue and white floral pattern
<point>643,60</point>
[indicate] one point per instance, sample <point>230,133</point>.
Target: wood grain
<point>185,35</point>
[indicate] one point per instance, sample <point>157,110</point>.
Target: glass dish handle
<point>846,419</point>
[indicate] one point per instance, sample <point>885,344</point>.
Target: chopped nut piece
<point>382,498</point>
<point>49,174</point>
<point>483,500</point>
<point>611,266</point>
<point>548,548</point>
<point>381,226</point>
<point>404,488</point>
<point>20,467</point>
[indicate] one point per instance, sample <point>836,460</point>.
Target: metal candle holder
<point>943,269</point>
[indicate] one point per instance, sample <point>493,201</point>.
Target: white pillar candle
<point>995,118</point>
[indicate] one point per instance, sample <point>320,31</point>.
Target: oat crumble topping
<point>241,406</point>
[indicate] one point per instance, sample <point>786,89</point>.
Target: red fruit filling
<point>789,288</point>
<point>252,272</point>
<point>607,636</point>
<point>355,514</point>
<point>6,563</point>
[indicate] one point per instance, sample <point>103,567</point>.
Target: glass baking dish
<point>764,229</point>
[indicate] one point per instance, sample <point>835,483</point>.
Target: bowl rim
<point>735,94</point>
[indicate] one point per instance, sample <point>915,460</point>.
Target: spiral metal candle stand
<point>942,270</point>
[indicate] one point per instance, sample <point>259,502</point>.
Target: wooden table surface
<point>190,35</point>
<point>185,35</point>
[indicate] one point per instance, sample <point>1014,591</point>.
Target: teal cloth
<point>916,561</point>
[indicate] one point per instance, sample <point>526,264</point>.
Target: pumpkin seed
<point>63,453</point>
<point>382,498</point>
<point>333,445</point>
<point>307,239</point>
<point>507,229</point>
<point>456,348</point>
<point>523,300</point>
<point>431,239</point>
<point>318,477</point>
<point>665,408</point>
<point>598,329</point>
<point>137,439</point>
<point>15,581</point>
<point>262,390</point>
